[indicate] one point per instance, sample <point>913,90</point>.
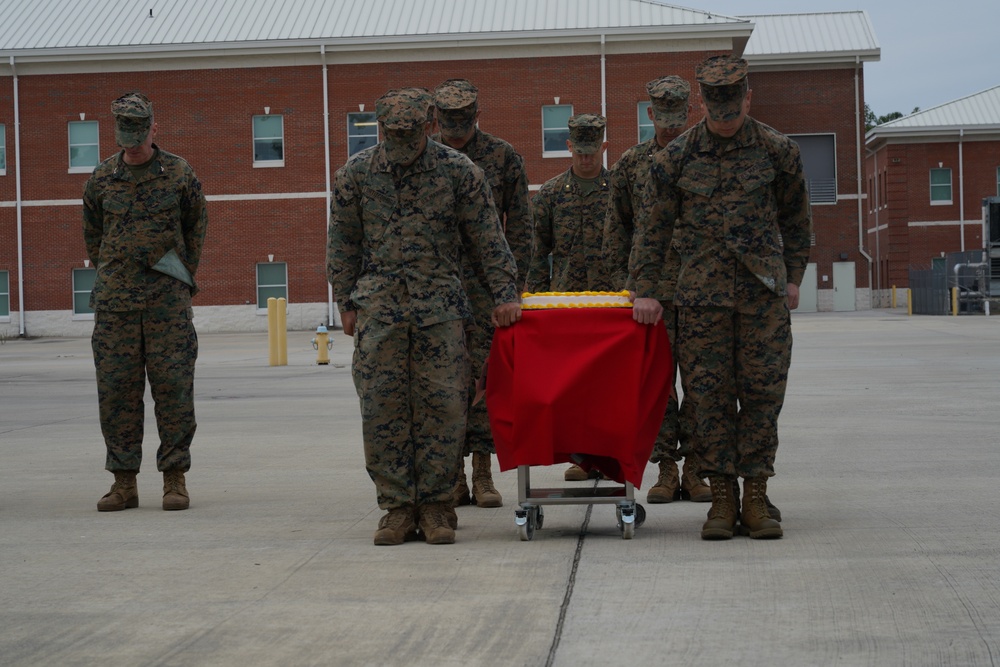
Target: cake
<point>547,300</point>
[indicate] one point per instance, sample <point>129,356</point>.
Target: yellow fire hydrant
<point>322,343</point>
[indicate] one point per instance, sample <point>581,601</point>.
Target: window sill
<point>83,317</point>
<point>268,164</point>
<point>941,203</point>
<point>82,170</point>
<point>556,154</point>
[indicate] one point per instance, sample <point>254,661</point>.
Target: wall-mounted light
<point>86,263</point>
<point>843,256</point>
<point>267,111</point>
<point>556,99</point>
<point>270,258</point>
<point>940,165</point>
<point>361,107</point>
<point>83,116</point>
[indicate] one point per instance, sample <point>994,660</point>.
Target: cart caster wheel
<point>525,522</point>
<point>626,521</point>
<point>640,515</point>
<point>539,518</point>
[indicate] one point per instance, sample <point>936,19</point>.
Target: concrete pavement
<point>886,480</point>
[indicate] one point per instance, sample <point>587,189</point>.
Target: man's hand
<point>348,319</point>
<point>646,310</point>
<point>506,314</point>
<point>793,296</point>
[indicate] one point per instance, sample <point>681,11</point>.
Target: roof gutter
<point>326,154</point>
<point>18,203</point>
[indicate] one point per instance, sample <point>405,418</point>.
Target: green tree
<point>871,120</point>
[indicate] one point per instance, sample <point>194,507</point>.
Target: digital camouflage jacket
<point>395,250</point>
<point>129,226</point>
<point>716,203</point>
<point>570,226</point>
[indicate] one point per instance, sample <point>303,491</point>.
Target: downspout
<point>326,150</point>
<point>878,248</point>
<point>18,203</point>
<point>858,125</point>
<point>961,188</point>
<point>604,93</point>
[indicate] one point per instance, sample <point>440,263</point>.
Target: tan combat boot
<point>755,520</point>
<point>460,494</point>
<point>175,495</point>
<point>693,488</point>
<point>396,526</point>
<point>435,523</point>
<point>124,493</point>
<point>484,494</point>
<point>723,513</point>
<point>667,488</point>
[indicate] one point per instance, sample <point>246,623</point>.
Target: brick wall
<point>205,116</point>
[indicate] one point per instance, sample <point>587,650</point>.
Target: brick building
<point>267,99</point>
<point>928,174</point>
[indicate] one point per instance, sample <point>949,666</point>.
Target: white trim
<point>548,154</point>
<point>879,228</point>
<point>268,163</point>
<point>942,223</point>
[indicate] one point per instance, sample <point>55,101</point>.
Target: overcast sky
<point>932,53</point>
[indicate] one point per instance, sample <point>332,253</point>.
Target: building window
<point>555,129</point>
<point>819,161</point>
<point>5,294</point>
<point>84,150</point>
<point>646,129</point>
<point>272,281</point>
<point>83,284</point>
<point>268,141</point>
<point>3,149</point>
<point>940,186</point>
<point>362,131</point>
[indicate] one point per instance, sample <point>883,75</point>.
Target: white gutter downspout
<point>604,93</point>
<point>326,150</point>
<point>18,204</point>
<point>961,187</point>
<point>858,124</point>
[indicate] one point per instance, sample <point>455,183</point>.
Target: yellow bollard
<point>909,301</point>
<point>272,331</point>
<point>282,332</point>
<point>323,345</point>
<point>954,301</point>
<point>893,296</point>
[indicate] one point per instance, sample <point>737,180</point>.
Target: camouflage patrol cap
<point>723,86</point>
<point>403,108</point>
<point>455,94</point>
<point>586,132</point>
<point>668,97</point>
<point>133,113</point>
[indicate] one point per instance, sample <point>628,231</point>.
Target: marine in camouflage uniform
<point>144,224</point>
<point>731,215</point>
<point>668,96</point>
<point>569,212</point>
<point>457,109</point>
<point>403,214</point>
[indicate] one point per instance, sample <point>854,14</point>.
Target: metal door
<point>808,291</point>
<point>843,286</point>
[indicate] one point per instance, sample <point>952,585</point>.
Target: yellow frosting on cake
<point>575,300</point>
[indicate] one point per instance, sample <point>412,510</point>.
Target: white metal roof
<point>978,109</point>
<point>811,37</point>
<point>30,26</point>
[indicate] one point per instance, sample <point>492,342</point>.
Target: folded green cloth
<point>172,265</point>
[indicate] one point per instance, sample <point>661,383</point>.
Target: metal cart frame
<point>530,516</point>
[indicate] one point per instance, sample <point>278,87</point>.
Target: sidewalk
<point>886,481</point>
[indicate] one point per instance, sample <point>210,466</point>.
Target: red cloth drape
<point>583,381</point>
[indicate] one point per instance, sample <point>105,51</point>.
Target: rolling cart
<point>583,385</point>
